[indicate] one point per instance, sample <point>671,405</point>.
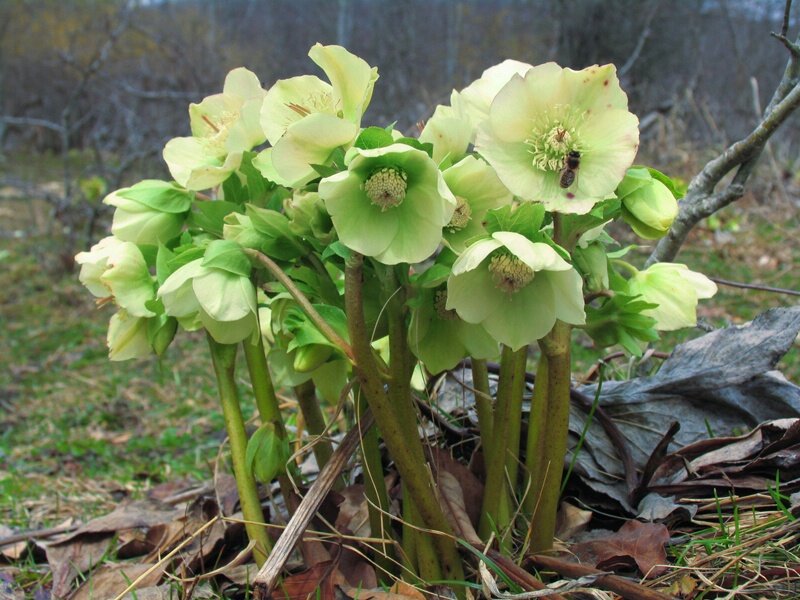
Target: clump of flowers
<point>342,253</point>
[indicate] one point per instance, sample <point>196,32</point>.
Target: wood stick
<point>267,576</point>
<point>614,583</point>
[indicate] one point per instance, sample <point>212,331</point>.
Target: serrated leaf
<point>233,190</point>
<point>227,255</point>
<point>209,216</point>
<point>160,195</point>
<point>324,170</point>
<point>525,219</point>
<point>373,137</point>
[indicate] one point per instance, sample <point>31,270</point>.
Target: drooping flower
<point>515,288</point>
<point>449,133</point>
<point>222,301</point>
<point>224,126</point>
<point>536,121</point>
<point>127,337</point>
<point>477,189</point>
<point>391,203</point>
<point>150,212</point>
<point>116,270</point>
<point>648,205</point>
<point>305,119</point>
<point>675,289</point>
<point>440,338</point>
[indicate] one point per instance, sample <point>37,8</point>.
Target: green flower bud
<point>150,212</point>
<point>648,206</point>
<point>592,263</point>
<point>309,357</point>
<point>267,453</point>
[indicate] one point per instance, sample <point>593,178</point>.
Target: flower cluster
<point>491,220</point>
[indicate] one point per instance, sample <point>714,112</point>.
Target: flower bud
<point>648,205</point>
<point>150,212</point>
<point>311,356</point>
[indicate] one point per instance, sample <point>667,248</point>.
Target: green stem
<point>323,326</point>
<point>515,416</point>
<point>399,432</point>
<point>496,514</point>
<point>306,394</point>
<point>223,357</point>
<point>428,565</point>
<point>483,400</point>
<point>380,522</point>
<point>534,449</point>
<point>263,389</point>
<point>556,345</point>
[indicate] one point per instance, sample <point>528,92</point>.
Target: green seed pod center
<point>509,273</point>
<point>462,215</point>
<point>386,187</point>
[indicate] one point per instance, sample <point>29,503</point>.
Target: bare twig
<point>755,286</point>
<point>702,199</point>
<point>32,535</point>
<point>637,50</point>
<point>267,576</point>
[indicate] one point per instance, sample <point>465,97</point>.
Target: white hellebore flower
<point>675,289</point>
<point>224,126</point>
<point>116,270</point>
<point>127,337</point>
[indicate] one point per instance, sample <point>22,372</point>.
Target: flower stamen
<point>386,187</point>
<point>461,216</point>
<point>509,273</point>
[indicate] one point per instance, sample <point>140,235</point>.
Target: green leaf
<point>176,261</point>
<point>426,147</point>
<point>337,249</point>
<point>159,195</point>
<point>679,191</point>
<point>279,240</point>
<point>233,190</point>
<point>227,255</point>
<point>525,219</point>
<point>210,216</point>
<point>373,137</point>
<point>257,186</point>
<point>325,170</point>
<point>161,331</point>
<point>267,453</point>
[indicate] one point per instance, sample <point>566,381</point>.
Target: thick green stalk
<point>515,416</point>
<point>223,357</point>
<point>306,394</point>
<point>380,523</point>
<point>263,389</point>
<point>534,449</point>
<point>269,409</point>
<point>496,513</point>
<point>556,345</point>
<point>428,566</point>
<point>483,400</point>
<point>399,433</point>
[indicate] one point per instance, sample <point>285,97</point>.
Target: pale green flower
<point>449,133</point>
<point>127,337</point>
<point>305,119</point>
<point>515,288</point>
<point>440,339</point>
<point>116,270</point>
<point>648,205</point>
<point>224,126</point>
<point>451,129</point>
<point>474,101</point>
<point>150,212</point>
<point>477,190</point>
<point>535,121</point>
<point>222,301</point>
<point>391,203</point>
<point>675,289</point>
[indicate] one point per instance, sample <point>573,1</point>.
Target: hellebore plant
<point>342,259</point>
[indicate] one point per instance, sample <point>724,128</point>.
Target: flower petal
<point>289,100</point>
<point>537,255</point>
<point>351,77</point>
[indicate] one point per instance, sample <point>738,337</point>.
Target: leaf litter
<point>189,537</point>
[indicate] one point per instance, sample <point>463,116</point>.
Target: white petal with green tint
<point>449,134</point>
<point>289,100</point>
<point>127,337</point>
<point>177,292</point>
<point>524,317</point>
<point>129,279</point>
<point>94,263</point>
<point>594,88</point>
<point>474,255</point>
<point>537,255</point>
<point>193,166</point>
<point>230,332</point>
<point>568,293</point>
<point>613,140</point>
<point>351,77</point>
<point>475,99</point>
<point>311,140</point>
<point>473,295</point>
<point>225,296</point>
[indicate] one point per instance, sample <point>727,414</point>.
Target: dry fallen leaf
<point>68,559</point>
<point>636,543</point>
<point>108,581</point>
<point>571,520</point>
<point>315,583</point>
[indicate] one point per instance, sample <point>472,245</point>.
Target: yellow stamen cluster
<point>552,137</point>
<point>462,215</point>
<point>509,273</point>
<point>386,187</point>
<point>440,306</point>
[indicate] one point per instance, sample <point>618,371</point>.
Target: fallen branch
<point>613,583</point>
<point>268,575</point>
